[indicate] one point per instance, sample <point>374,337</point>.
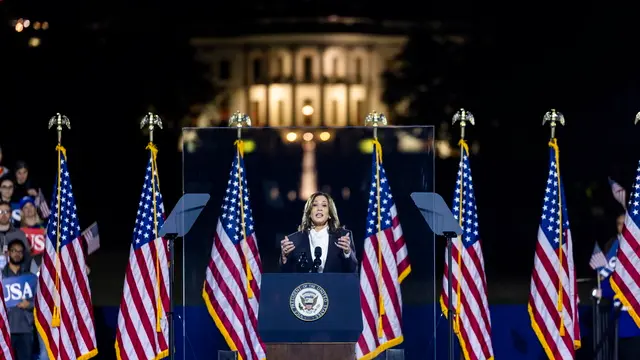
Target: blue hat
<point>25,200</point>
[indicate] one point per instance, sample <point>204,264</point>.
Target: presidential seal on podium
<point>309,302</point>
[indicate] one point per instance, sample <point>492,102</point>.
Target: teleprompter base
<point>311,351</point>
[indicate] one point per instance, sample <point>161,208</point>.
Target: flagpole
<point>60,121</point>
<point>239,121</point>
<point>554,117</point>
<point>462,116</point>
<point>375,120</point>
<point>152,120</point>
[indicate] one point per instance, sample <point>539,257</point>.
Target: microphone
<point>303,263</point>
<point>317,252</point>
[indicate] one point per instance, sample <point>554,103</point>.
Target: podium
<point>310,316</point>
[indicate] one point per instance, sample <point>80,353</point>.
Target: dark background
<point>106,64</point>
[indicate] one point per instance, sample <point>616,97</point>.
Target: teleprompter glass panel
<point>283,167</point>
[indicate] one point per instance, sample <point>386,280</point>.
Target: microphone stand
<point>171,238</point>
<point>450,310</point>
<point>616,323</point>
<point>316,265</point>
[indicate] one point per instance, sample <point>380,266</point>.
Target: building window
<point>255,113</point>
<point>280,67</point>
<point>359,70</point>
<point>334,112</point>
<point>360,112</point>
<point>224,71</point>
<point>307,112</point>
<point>280,119</point>
<point>308,69</point>
<point>335,67</point>
<point>257,70</point>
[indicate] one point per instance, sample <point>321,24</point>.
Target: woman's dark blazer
<point>336,261</point>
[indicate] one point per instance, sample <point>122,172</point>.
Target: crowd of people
<point>628,332</point>
<point>22,234</point>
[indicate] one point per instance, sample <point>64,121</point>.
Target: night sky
<point>104,67</point>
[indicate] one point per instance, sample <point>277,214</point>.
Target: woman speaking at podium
<point>320,244</point>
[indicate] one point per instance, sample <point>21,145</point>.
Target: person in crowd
<point>320,228</point>
<point>613,242</point>
<point>9,233</point>
<point>6,189</point>
<point>21,316</point>
<point>3,169</point>
<point>628,331</point>
<point>29,217</point>
<point>23,184</point>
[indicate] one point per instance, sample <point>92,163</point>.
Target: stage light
<point>366,146</point>
<point>45,25</point>
<point>307,136</point>
<point>26,23</point>
<point>324,136</point>
<point>307,110</point>
<point>291,137</point>
<point>34,42</point>
<point>274,193</point>
<point>249,146</point>
<point>443,149</point>
<point>346,193</point>
<point>19,27</point>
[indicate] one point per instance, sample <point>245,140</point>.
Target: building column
<point>267,82</point>
<point>294,84</point>
<point>370,81</point>
<point>322,86</point>
<point>348,79</point>
<point>246,75</point>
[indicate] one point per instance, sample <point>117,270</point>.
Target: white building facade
<point>316,79</point>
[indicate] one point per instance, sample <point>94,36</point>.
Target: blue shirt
<point>626,326</point>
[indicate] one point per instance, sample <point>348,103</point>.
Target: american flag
<point>553,301</point>
<point>619,193</point>
<point>92,238</point>
<point>625,279</point>
<point>598,260</point>
<point>63,309</point>
<point>612,258</point>
<point>472,322</point>
<point>143,332</point>
<point>384,265</point>
<point>41,204</point>
<point>5,334</point>
<point>232,285</point>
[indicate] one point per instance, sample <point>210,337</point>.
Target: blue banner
<point>18,288</point>
<point>612,258</point>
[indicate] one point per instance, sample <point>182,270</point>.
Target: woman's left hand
<point>344,243</point>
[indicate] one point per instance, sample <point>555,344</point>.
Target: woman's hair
<point>333,222</point>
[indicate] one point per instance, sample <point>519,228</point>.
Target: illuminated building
<point>325,71</point>
<point>330,75</point>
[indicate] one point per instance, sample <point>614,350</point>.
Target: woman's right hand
<point>286,247</point>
